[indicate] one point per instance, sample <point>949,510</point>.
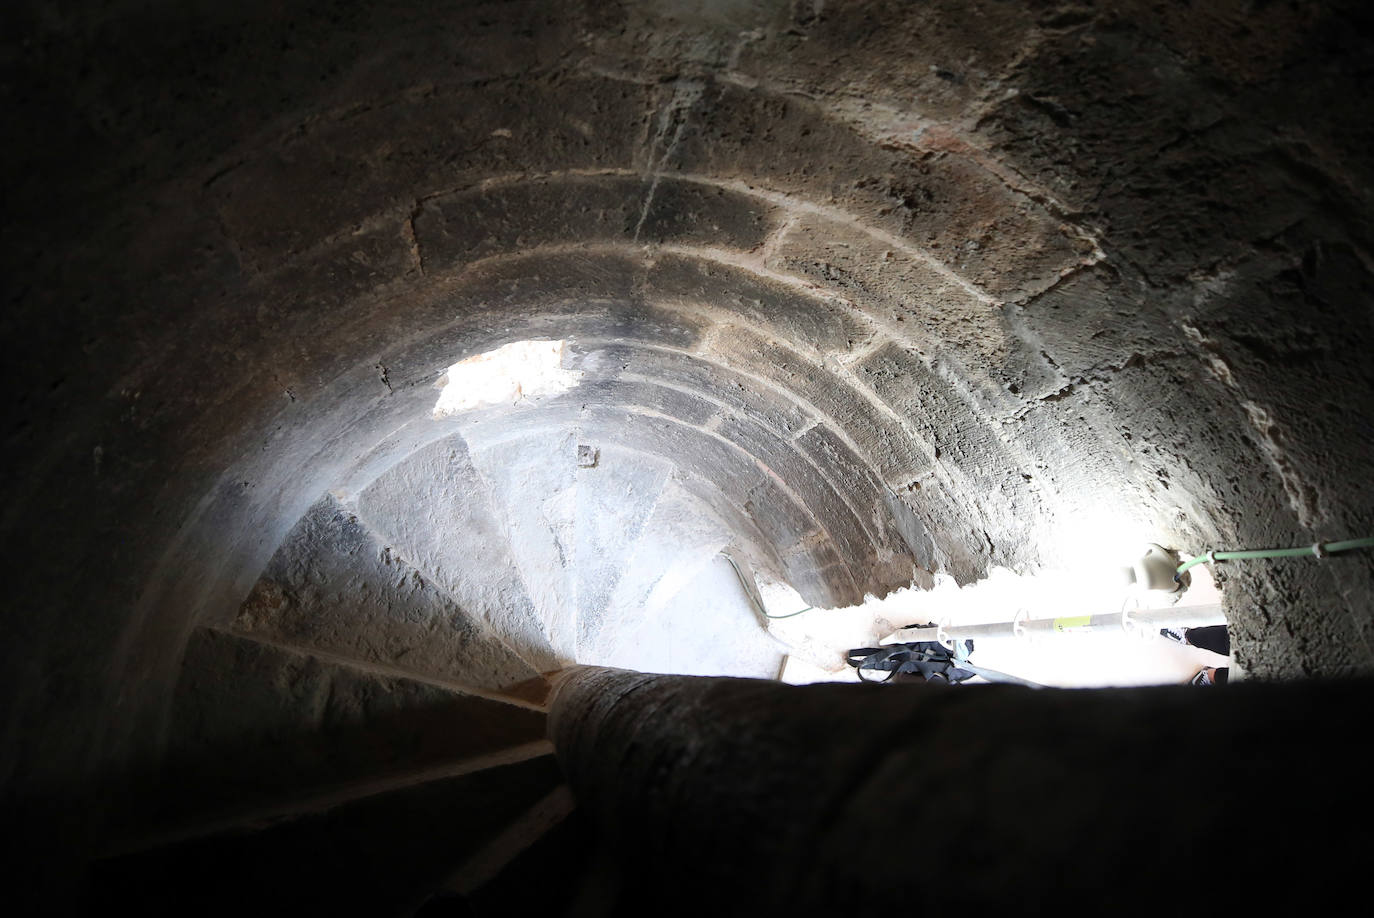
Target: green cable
<point>789,614</point>
<point>757,603</point>
<point>1319,550</point>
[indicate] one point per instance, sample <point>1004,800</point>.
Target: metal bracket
<point>1018,624</point>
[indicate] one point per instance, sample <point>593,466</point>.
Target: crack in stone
<point>414,239</point>
<point>686,94</point>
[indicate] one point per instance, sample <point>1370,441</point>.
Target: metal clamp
<point>942,635</point>
<point>1129,623</point>
<point>1018,624</point>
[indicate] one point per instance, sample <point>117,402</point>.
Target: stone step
<point>434,510</point>
<point>519,835</point>
<point>532,481</point>
<point>259,732</point>
<point>616,495</point>
<point>708,628</point>
<point>563,874</point>
<point>333,587</point>
<point>680,538</point>
<point>776,523</point>
<point>384,854</point>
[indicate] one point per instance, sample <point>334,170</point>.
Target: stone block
<point>945,204</point>
<point>898,541</point>
<point>694,373</point>
<point>919,305</point>
<point>787,312</point>
<point>382,853</point>
<point>931,407</point>
<point>465,226</point>
<point>687,407</point>
<point>255,726</point>
<point>614,501</point>
<point>433,509</point>
<point>880,438</point>
<point>532,482</point>
<point>339,171</point>
<point>682,536</point>
<point>332,587</point>
<point>828,503</point>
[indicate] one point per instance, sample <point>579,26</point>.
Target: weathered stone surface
<point>893,450</point>
<point>648,397</point>
<point>434,511</point>
<point>937,59</point>
<point>333,587</point>
<point>789,313</point>
<point>969,451</point>
<point>679,539</point>
<point>824,498</point>
<point>919,304</point>
<point>955,209</point>
<point>886,520</point>
<point>532,481</point>
<point>614,501</point>
<point>341,170</point>
<point>382,853</point>
<point>694,373</point>
<point>707,627</point>
<point>469,225</point>
<point>256,725</point>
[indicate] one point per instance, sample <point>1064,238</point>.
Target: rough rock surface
<point>561,560</point>
<point>333,587</point>
<point>255,725</point>
<point>435,509</point>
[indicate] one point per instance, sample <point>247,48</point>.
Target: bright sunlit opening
<point>1097,538</point>
<point>512,374</point>
<point>1069,656</point>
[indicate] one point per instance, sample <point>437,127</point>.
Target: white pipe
<point>1138,621</point>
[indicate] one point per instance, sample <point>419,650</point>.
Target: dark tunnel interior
<point>862,294</point>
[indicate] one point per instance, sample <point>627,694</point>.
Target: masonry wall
<point>898,289</point>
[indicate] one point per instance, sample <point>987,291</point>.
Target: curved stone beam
<point>1012,779</point>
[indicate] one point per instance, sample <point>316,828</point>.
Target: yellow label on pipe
<point>1073,621</point>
